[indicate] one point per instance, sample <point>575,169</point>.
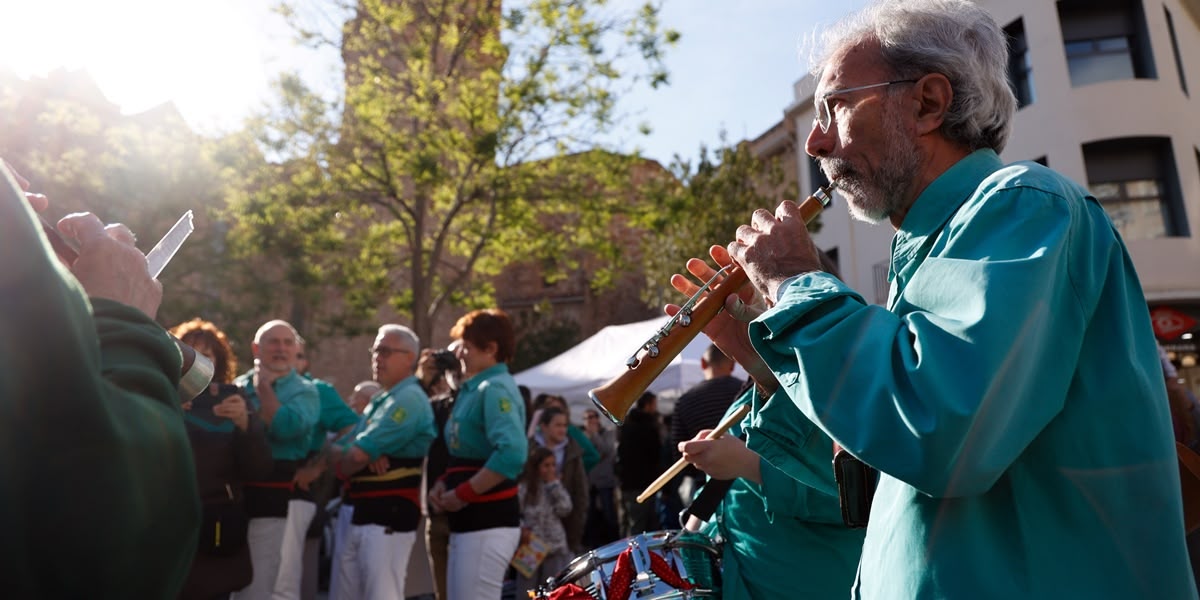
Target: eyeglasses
<point>824,116</point>
<point>384,352</point>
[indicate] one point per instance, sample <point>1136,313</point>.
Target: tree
<point>703,206</point>
<point>469,131</point>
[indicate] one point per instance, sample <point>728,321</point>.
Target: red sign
<point>1170,323</point>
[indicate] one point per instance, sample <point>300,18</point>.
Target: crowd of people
<point>274,446</point>
<point>1002,428</point>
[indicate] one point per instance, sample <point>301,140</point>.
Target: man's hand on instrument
<point>774,247</point>
<point>726,457</point>
<point>109,264</point>
<point>728,329</point>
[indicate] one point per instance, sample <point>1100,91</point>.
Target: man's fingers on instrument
<point>700,269</point>
<point>721,255</point>
<point>684,285</point>
<point>787,209</point>
<point>763,220</point>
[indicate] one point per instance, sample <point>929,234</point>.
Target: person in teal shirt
<point>372,561</point>
<point>485,436</point>
<point>99,492</point>
<point>279,517</point>
<point>1009,393</point>
<point>782,539</point>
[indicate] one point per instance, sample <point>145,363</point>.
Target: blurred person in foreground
<point>1010,393</point>
<point>485,437</point>
<point>230,446</point>
<point>100,492</point>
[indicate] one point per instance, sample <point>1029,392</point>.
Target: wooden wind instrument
<point>615,398</point>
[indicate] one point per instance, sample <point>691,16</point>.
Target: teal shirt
<point>333,416</point>
<point>785,539</point>
<point>397,423</point>
<point>488,422</point>
<point>299,407</point>
<point>1010,394</point>
<point>97,485</point>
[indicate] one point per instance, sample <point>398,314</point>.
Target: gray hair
<point>408,337</point>
<point>955,38</point>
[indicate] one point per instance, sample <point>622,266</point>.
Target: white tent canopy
<point>600,358</point>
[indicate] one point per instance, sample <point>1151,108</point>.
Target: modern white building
<point>1106,91</point>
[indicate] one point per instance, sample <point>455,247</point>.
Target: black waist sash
<point>392,500</point>
<point>498,508</point>
<point>269,496</point>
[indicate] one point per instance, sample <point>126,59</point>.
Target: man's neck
<point>940,156</point>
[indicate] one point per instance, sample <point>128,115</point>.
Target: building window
<point>1175,50</point>
<point>1105,40</point>
<point>1020,68</point>
<point>1136,182</point>
<point>883,287</point>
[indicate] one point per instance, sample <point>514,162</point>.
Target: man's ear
<point>934,95</point>
<point>254,349</point>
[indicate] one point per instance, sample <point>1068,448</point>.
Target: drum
<point>658,565</point>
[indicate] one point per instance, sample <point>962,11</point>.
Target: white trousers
<point>372,564</point>
<point>291,550</point>
<point>265,537</point>
<point>477,562</point>
<point>341,528</point>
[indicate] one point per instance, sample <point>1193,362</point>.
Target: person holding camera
<point>440,373</point>
<point>229,446</point>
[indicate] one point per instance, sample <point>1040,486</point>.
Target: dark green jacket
<point>97,488</point>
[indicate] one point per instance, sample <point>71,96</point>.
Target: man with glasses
<point>397,425</point>
<point>289,405</point>
<point>1010,393</point>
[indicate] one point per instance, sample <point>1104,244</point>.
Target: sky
<point>732,70</point>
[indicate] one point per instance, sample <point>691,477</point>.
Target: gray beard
<point>874,197</point>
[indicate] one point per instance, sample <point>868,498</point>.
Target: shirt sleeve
<point>398,424</point>
<point>945,392</point>
<point>299,408</point>
<point>336,415</point>
<point>504,421</point>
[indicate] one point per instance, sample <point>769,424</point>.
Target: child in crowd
<point>544,503</point>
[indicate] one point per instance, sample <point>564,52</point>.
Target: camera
<point>445,360</point>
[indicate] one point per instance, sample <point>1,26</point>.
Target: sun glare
<point>209,57</point>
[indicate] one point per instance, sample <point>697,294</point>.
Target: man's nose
<point>819,143</point>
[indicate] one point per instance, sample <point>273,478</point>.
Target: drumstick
<point>680,464</point>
